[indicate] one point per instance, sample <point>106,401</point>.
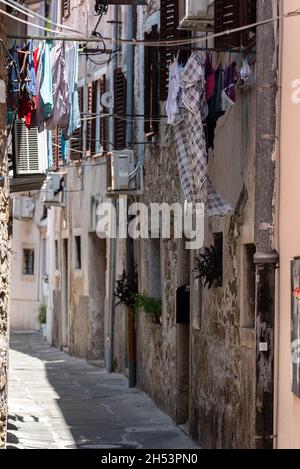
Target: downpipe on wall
<point>129,58</point>
<point>266,258</point>
<point>112,242</point>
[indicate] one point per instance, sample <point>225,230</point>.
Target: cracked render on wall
<point>4,254</point>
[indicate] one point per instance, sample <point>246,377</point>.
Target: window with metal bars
<point>151,83</point>
<point>232,14</point>
<point>65,8</point>
<point>169,21</point>
<point>76,141</point>
<point>119,109</point>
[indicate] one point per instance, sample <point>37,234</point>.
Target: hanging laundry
<point>230,80</point>
<point>72,79</point>
<point>27,91</point>
<point>190,141</point>
<point>210,81</point>
<point>31,71</point>
<point>13,90</point>
<point>29,119</point>
<point>215,109</point>
<point>60,114</point>
<point>172,105</point>
<point>44,80</point>
<point>193,98</point>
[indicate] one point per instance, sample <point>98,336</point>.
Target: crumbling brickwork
<point>4,257</point>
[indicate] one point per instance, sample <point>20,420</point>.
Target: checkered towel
<point>191,143</point>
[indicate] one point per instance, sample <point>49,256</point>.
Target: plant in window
<point>208,266</point>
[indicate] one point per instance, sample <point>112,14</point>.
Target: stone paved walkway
<point>57,401</point>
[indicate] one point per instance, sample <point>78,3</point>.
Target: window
<point>91,123</point>
<point>231,14</point>
<point>169,21</point>
<point>77,253</point>
<point>76,138</point>
<point>151,82</point>
<point>65,8</point>
<point>218,245</point>
<point>28,262</point>
<point>120,109</point>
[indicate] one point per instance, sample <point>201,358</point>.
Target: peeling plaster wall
<point>4,254</point>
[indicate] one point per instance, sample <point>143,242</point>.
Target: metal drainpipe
<point>266,258</point>
<point>113,241</point>
<point>129,57</point>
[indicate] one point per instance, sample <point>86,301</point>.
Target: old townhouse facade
<point>209,339</point>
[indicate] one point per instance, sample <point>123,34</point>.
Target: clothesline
<point>28,12</point>
<point>138,42</point>
<point>236,50</point>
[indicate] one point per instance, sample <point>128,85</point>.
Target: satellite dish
<point>107,99</point>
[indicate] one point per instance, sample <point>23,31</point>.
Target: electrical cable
<point>32,24</point>
<point>17,8</point>
<point>27,11</point>
<point>169,44</point>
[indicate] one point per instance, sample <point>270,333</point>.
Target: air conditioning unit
<point>121,174</point>
<point>23,208</point>
<point>196,15</point>
<point>53,193</point>
<point>30,150</point>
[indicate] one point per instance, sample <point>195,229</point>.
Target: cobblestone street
<point>57,401</point>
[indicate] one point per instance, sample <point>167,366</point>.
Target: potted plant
<point>208,266</point>
<point>42,318</point>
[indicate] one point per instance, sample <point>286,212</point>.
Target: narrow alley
<point>57,401</point>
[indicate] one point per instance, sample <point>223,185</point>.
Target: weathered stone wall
<point>4,251</point>
<point>223,349</point>
<point>156,344</point>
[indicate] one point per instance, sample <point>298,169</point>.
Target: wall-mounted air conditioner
<point>23,208</point>
<point>53,190</point>
<point>123,176</point>
<point>30,150</point>
<point>196,15</point>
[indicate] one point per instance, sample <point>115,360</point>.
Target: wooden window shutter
<point>231,14</point>
<point>152,69</point>
<point>120,109</point>
<point>169,21</point>
<point>103,120</point>
<point>56,147</point>
<point>65,8</point>
<point>90,134</point>
<point>76,138</point>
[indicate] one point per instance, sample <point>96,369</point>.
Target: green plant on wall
<point>151,306</point>
<point>209,267</point>
<point>126,293</point>
<point>42,317</point>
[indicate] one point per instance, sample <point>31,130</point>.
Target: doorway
<point>183,343</point>
<point>65,294</point>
